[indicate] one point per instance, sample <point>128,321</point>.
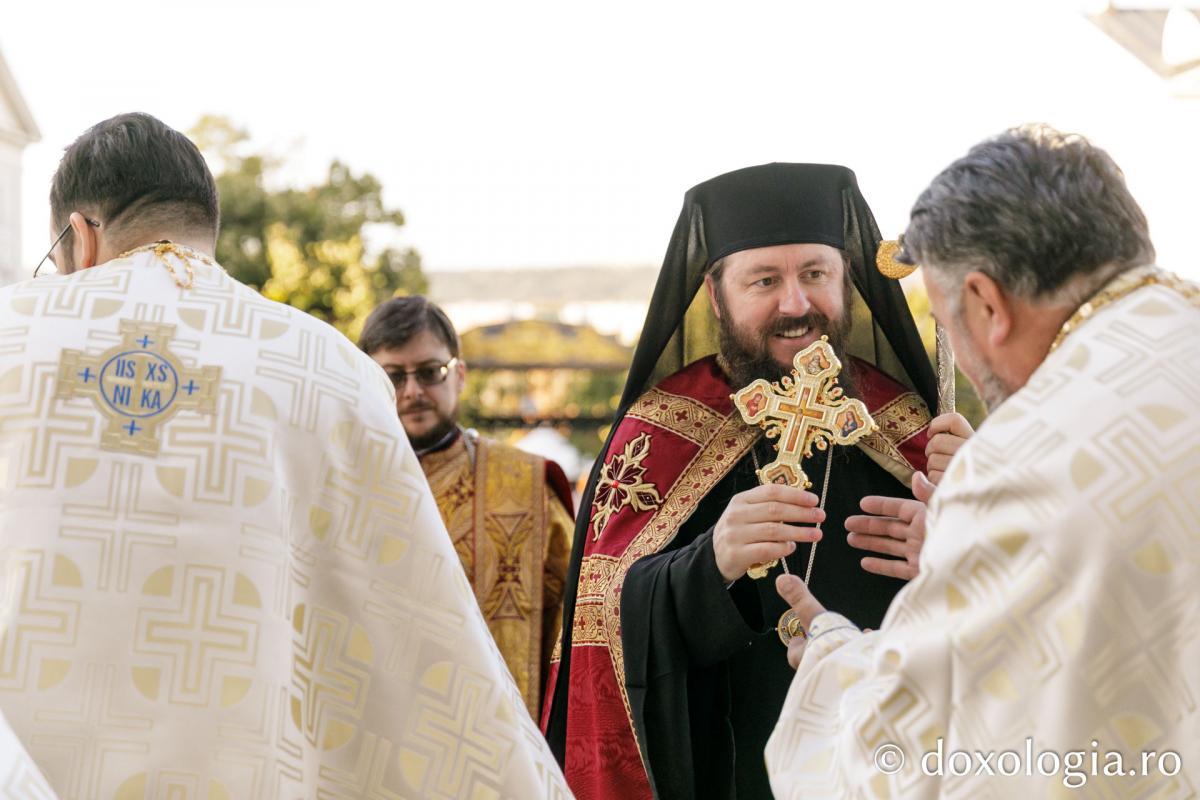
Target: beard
<point>439,431</point>
<point>434,435</point>
<point>991,389</point>
<point>747,352</point>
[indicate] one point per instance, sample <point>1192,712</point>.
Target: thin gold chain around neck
<point>1123,285</point>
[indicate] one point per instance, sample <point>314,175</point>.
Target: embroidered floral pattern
<point>621,484</point>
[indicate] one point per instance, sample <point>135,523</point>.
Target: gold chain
<point>182,252</point>
<point>812,553</point>
<point>789,625</point>
<point>1124,284</point>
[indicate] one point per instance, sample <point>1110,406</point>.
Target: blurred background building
<point>17,131</point>
<point>547,351</point>
<point>611,300</point>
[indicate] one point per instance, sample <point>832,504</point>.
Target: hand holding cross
<point>805,410</point>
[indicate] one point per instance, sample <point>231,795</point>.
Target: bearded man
<point>1050,639</point>
<point>672,672</point>
<point>509,513</point>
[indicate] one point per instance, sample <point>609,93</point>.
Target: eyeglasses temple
<point>38,268</point>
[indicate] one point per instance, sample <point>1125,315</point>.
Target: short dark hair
<point>398,320</point>
<point>1033,209</point>
<point>135,164</point>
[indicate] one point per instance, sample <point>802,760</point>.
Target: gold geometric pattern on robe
<point>596,573</point>
<point>684,416</point>
<point>1057,595</point>
<point>194,631</point>
<point>265,606</point>
<point>513,537</point>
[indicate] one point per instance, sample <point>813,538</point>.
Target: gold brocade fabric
<point>222,572</point>
<point>1053,623</point>
<point>513,536</point>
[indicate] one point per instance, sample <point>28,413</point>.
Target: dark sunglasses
<point>428,375</point>
<point>58,239</point>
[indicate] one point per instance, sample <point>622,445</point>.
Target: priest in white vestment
<point>222,574</point>
<point>1050,646</point>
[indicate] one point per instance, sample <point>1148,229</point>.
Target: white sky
<point>520,134</point>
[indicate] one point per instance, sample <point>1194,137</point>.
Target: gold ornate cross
<point>804,410</point>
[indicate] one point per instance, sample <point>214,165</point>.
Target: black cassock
<point>705,672</point>
<point>705,669</point>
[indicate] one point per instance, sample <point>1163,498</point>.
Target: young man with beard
<point>1050,639</point>
<point>672,672</point>
<point>509,513</point>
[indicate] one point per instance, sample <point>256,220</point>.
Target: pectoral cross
<point>804,410</point>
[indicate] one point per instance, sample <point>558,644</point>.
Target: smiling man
<point>672,672</point>
<point>772,302</point>
<point>509,513</point>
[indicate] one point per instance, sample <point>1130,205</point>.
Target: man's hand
<point>947,433</point>
<point>754,528</point>
<point>896,528</point>
<point>796,594</point>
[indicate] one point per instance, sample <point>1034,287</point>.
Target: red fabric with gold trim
<point>901,414</point>
<point>671,448</point>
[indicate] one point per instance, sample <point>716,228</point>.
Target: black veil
<point>759,206</point>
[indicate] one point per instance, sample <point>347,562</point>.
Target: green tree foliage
<point>304,246</point>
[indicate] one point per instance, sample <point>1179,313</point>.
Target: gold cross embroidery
<point>137,385</point>
<point>803,410</point>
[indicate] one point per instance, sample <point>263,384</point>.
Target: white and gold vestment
<point>222,574</point>
<point>1059,594</point>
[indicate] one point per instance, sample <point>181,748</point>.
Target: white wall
<point>10,213</point>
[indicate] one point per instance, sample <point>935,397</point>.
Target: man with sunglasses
<point>509,513</point>
<point>220,565</point>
